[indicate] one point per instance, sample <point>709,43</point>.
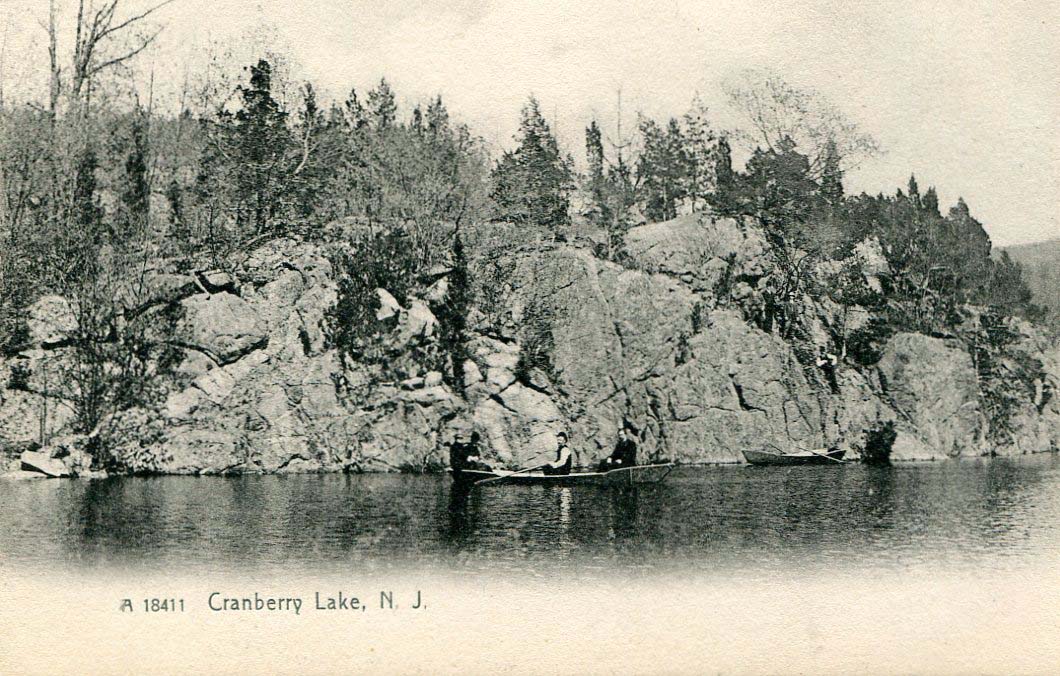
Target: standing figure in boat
<point>465,454</point>
<point>563,461</point>
<point>625,453</point>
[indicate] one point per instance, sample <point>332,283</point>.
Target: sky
<point>963,93</point>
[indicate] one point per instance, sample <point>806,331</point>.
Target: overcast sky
<point>966,94</point>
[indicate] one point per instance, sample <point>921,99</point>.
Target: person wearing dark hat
<point>564,459</point>
<point>625,453</point>
<point>465,455</point>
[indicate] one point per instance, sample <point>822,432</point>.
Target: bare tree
<point>104,38</point>
<point>775,109</point>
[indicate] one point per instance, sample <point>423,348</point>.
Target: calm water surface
<point>993,514</point>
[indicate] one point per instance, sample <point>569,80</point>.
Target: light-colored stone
<point>432,379</point>
<point>388,305</point>
<point>222,325</point>
<point>418,322</point>
<point>51,320</point>
<point>218,281</point>
<point>700,249</point>
<point>36,461</point>
<point>931,383</point>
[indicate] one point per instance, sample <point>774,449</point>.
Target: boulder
<point>873,263</point>
<point>202,451</point>
<point>51,321</point>
<point>218,281</point>
<point>700,250</point>
<point>931,383</point>
<point>164,288</point>
<point>36,461</point>
<point>472,374</point>
<point>736,388</point>
<point>418,322</point>
<point>223,326</point>
<point>388,305</point>
<point>432,379</point>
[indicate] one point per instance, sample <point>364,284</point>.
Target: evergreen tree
<point>254,144</point>
<point>136,190</point>
<point>453,315</point>
<point>832,176</point>
<point>930,202</point>
<point>531,184</point>
<point>437,117</point>
<point>596,181</point>
<point>662,169</point>
<point>699,140</point>
<point>87,212</point>
<point>355,114</point>
<point>417,120</point>
<point>725,198</point>
<point>778,189</point>
<point>382,109</point>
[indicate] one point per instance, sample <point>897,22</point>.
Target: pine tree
<point>382,110</point>
<point>355,114</point>
<point>699,141</point>
<point>453,316</point>
<point>531,184</point>
<point>914,192</point>
<point>930,202</point>
<point>437,117</point>
<point>831,176</point>
<point>87,212</point>
<point>258,143</point>
<point>662,169</point>
<point>596,181</point>
<point>724,199</point>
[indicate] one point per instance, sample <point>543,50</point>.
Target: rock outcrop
<point>661,342</point>
<point>931,384</point>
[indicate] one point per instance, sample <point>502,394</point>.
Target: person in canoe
<point>625,453</point>
<point>465,455</point>
<point>563,461</point>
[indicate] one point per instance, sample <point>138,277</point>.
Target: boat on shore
<point>819,457</point>
<point>627,476</point>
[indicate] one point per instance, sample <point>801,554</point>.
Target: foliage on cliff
<point>101,191</point>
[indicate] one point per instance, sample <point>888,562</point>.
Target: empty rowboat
<point>821,457</point>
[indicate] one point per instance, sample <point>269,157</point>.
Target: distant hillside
<point>1041,269</point>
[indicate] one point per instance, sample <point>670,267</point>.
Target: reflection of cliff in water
<point>707,518</point>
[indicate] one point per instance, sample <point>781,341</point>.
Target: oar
<point>505,476</point>
<point>822,455</point>
<point>810,450</point>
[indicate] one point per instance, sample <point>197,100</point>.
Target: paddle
<point>505,476</point>
<point>810,450</point>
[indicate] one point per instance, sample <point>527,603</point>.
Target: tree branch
<point>133,19</point>
<point>120,59</point>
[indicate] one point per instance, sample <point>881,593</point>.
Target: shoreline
<point>27,475</point>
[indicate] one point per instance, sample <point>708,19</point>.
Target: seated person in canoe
<point>464,454</point>
<point>563,461</point>
<point>625,453</point>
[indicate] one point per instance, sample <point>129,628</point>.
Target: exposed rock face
<point>51,320</point>
<point>700,251</point>
<point>931,383</point>
<point>223,326</point>
<point>659,346</point>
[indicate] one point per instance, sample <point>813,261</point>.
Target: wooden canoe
<point>627,476</point>
<point>821,457</point>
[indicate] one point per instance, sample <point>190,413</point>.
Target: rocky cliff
<point>660,342</point>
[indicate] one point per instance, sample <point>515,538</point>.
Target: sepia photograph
<point>480,336</point>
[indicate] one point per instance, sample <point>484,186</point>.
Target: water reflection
<point>950,513</point>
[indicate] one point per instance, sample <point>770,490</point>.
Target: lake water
<point>988,514</point>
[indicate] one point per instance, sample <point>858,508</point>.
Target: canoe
<point>822,457</point>
<point>627,476</point>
